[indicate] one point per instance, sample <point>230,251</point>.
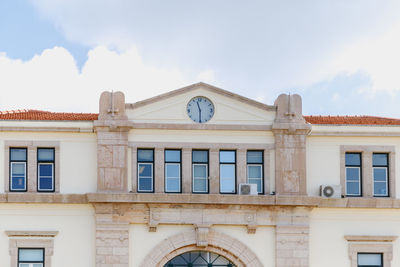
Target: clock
<point>200,109</point>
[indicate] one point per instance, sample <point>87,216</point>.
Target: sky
<point>341,56</point>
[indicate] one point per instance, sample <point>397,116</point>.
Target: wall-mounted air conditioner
<point>248,189</point>
<point>330,191</point>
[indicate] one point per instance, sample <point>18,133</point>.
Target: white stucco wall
<point>75,223</point>
<point>328,248</point>
<point>142,241</point>
<point>323,158</point>
<point>78,158</point>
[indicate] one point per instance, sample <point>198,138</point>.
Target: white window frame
<point>152,176</point>
<point>11,176</point>
<point>42,176</point>
<point>31,263</point>
<point>386,182</point>
<point>359,181</point>
<point>168,178</point>
<point>194,178</point>
<point>261,178</point>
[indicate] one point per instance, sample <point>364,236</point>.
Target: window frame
<point>166,163</point>
<point>360,174</point>
<point>386,167</point>
<point>45,162</point>
<point>196,163</point>
<point>228,163</point>
<point>256,164</point>
<point>152,171</point>
<point>11,168</point>
<point>31,262</point>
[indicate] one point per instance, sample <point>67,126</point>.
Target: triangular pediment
<point>230,108</point>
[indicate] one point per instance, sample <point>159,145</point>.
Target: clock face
<point>200,109</point>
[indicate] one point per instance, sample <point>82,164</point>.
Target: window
<point>45,169</point>
<point>353,174</point>
<point>255,163</point>
<point>145,170</point>
<point>227,172</point>
<point>18,160</point>
<point>380,172</point>
<point>369,260</point>
<point>200,171</point>
<point>172,171</point>
<point>30,257</point>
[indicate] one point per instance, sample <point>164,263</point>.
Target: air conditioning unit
<point>330,191</point>
<point>248,189</point>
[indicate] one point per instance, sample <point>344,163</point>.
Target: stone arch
<point>218,243</point>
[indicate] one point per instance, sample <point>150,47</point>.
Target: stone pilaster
<point>112,238</point>
<point>290,130</point>
<point>112,143</point>
<point>292,237</point>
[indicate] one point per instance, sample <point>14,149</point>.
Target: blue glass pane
<point>380,189</point>
<point>200,185</point>
<point>254,171</point>
<point>353,159</point>
<point>145,155</point>
<point>380,159</point>
<point>200,171</point>
<point>227,156</point>
<point>254,157</point>
<point>352,174</point>
<point>258,182</point>
<point>46,183</point>
<point>370,259</point>
<point>172,170</point>
<point>352,188</point>
<point>227,171</point>
<point>145,170</point>
<point>172,155</point>
<point>200,156</point>
<point>227,186</point>
<point>18,183</point>
<point>18,154</point>
<point>30,254</point>
<point>380,174</point>
<point>18,169</point>
<point>172,185</point>
<point>46,154</point>
<point>45,170</point>
<point>145,184</point>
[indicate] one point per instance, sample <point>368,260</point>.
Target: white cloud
<point>52,81</point>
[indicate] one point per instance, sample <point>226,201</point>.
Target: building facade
<point>202,176</point>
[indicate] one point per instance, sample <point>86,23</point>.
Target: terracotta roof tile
<point>40,115</point>
<point>353,120</point>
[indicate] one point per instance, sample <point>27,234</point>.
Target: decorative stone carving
<point>112,106</point>
<point>290,130</point>
<point>202,235</point>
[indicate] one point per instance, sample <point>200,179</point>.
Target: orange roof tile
<point>353,120</point>
<point>40,115</point>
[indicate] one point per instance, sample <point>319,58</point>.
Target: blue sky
<point>341,56</point>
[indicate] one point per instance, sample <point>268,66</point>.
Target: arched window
<point>199,259</point>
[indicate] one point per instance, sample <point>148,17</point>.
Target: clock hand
<point>199,111</point>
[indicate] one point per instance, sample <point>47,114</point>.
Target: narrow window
<point>353,174</point>
<point>200,171</point>
<point>30,257</point>
<point>227,172</point>
<point>369,260</point>
<point>18,169</point>
<point>45,169</point>
<point>172,171</point>
<point>255,164</point>
<point>145,170</point>
<point>380,171</point>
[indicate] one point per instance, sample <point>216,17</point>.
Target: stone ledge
<point>31,233</point>
<point>43,198</point>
